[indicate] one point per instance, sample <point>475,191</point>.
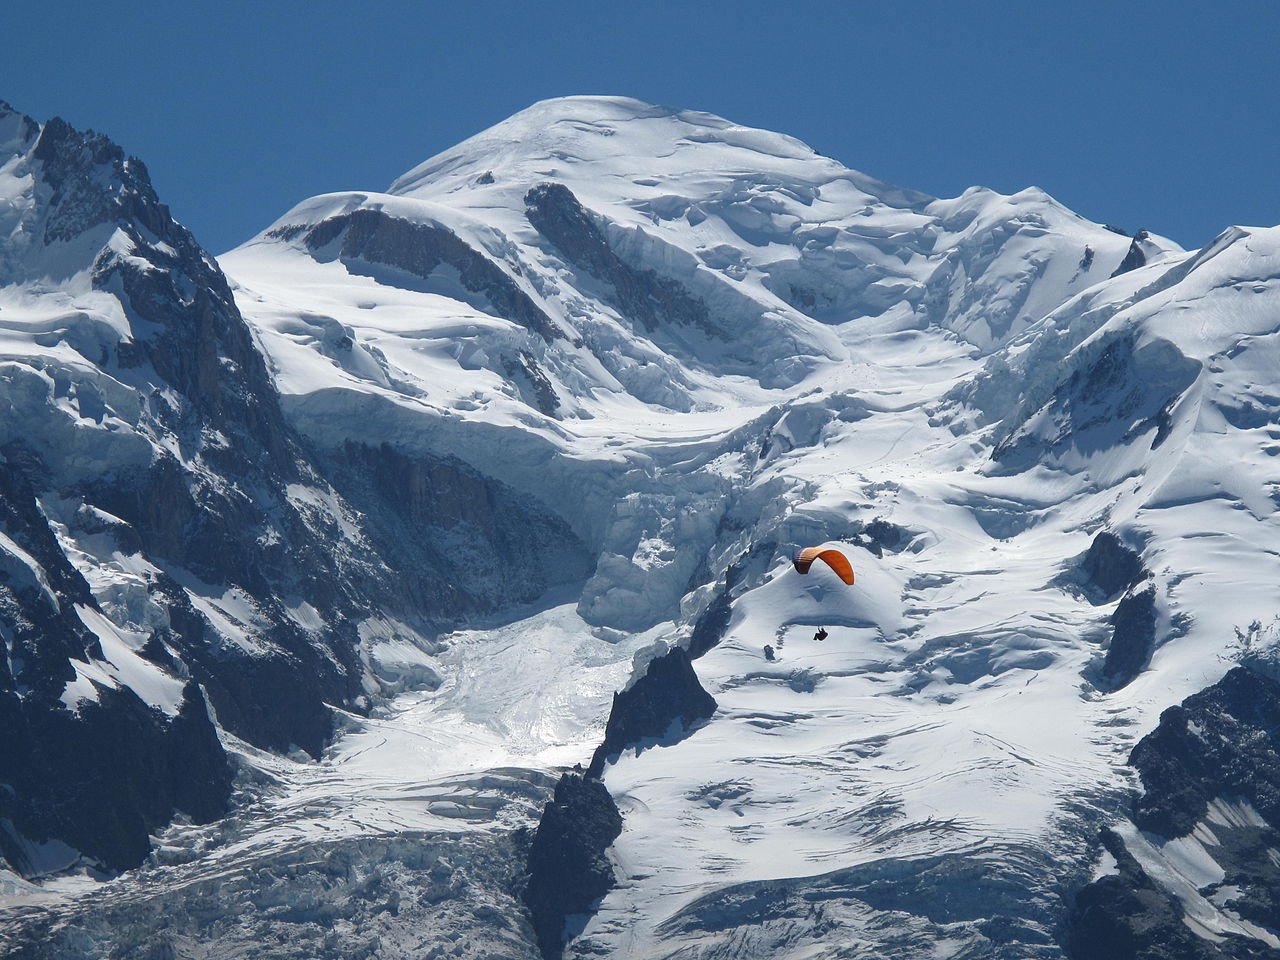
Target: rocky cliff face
<point>171,447</point>
<point>475,544</point>
<point>1133,636</point>
<point>662,704</point>
<point>1110,567</point>
<point>89,767</point>
<point>1221,742</point>
<point>371,238</point>
<point>1126,916</point>
<point>641,294</point>
<point>164,529</point>
<point>1202,879</point>
<point>568,868</point>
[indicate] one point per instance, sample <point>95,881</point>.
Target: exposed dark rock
<point>41,631</point>
<point>294,716</point>
<point>664,702</point>
<point>183,317</point>
<point>220,510</point>
<point>533,384</point>
<point>1110,398</point>
<point>102,777</point>
<point>1110,566</point>
<point>1125,916</point>
<point>640,294</point>
<point>1222,741</point>
<point>880,536</point>
<point>568,869</point>
<point>23,521</point>
<point>436,521</point>
<point>1135,258</point>
<point>419,249</point>
<point>1133,637</point>
<point>1219,745</point>
<point>213,505</point>
<point>264,546</point>
<point>69,159</point>
<point>712,624</point>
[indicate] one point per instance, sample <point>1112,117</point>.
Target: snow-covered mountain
<point>170,546</point>
<point>547,419</point>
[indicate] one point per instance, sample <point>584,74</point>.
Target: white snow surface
<point>884,344</point>
<point>123,667</point>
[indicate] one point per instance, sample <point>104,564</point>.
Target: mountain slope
<point>173,552</point>
<point>991,377</point>
<point>962,733</point>
<point>563,305</point>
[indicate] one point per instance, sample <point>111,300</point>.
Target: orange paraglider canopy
<point>834,559</point>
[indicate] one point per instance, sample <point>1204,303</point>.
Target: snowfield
<point>705,347</point>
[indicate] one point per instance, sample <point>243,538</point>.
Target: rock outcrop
<point>568,869</point>
<point>639,293</point>
<point>1221,742</point>
<point>149,483</point>
<point>1135,258</point>
<point>1125,916</point>
<point>92,776</point>
<point>1211,787</point>
<point>372,237</point>
<point>660,705</point>
<point>1110,567</point>
<point>1133,637</point>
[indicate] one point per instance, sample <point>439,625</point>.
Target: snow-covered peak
<point>72,201</point>
<point>612,133</point>
<point>619,283</point>
<point>593,258</point>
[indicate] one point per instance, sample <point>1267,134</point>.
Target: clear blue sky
<point>1159,115</point>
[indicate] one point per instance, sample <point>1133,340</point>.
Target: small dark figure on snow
<point>768,652</point>
<point>821,634</point>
